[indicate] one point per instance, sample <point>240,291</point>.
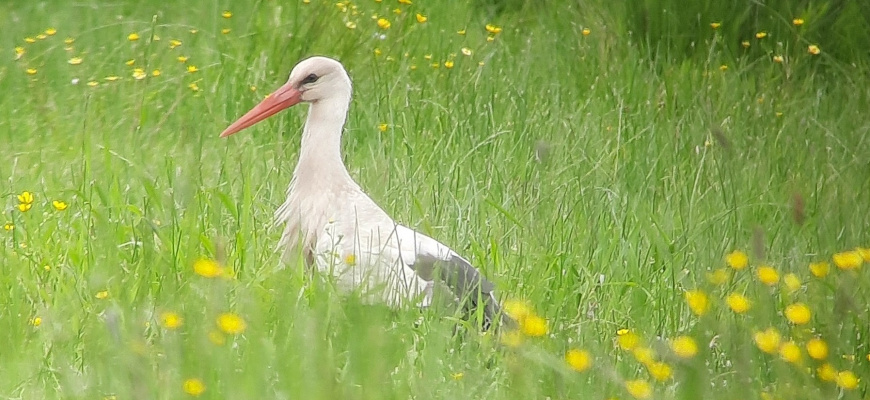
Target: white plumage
<point>337,227</point>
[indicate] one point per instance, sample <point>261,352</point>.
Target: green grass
<point>650,173</point>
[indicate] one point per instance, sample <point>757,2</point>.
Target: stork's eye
<point>310,79</point>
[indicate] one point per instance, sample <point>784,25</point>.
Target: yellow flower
<point>737,260</point>
<point>171,320</point>
<point>112,78</point>
<point>578,360</point>
<point>767,275</point>
<point>181,59</point>
<point>813,49</point>
<point>50,31</point>
<point>25,197</point>
<point>421,18</point>
<point>36,321</point>
<point>193,387</point>
<point>133,37</point>
<point>797,21</point>
<point>628,340</point>
<point>761,35</point>
<point>30,71</point>
<point>383,23</point>
<point>820,269</point>
<point>826,372</point>
<point>174,43</point>
<point>586,31</point>
<point>192,68</point>
<point>41,36</point>
<point>19,51</point>
<point>790,352</point>
<point>715,25</point>
<point>644,355</point>
<point>684,346</point>
<point>461,32</point>
<point>493,29</point>
<point>226,31</point>
<point>231,323</point>
<point>8,226</point>
<point>738,303</point>
<point>383,128</point>
<point>798,313</point>
<point>350,25</point>
<point>792,282</point>
<point>130,62</point>
<point>698,302</point>
<point>817,348</point>
<point>745,44</point>
<point>59,205</point>
<point>30,40</point>
<point>848,260</point>
<point>139,74</point>
<point>448,64</point>
<point>659,371</point>
<point>193,86</point>
<point>777,59</point>
<point>718,277</point>
<point>534,326</point>
<point>865,253</point>
<point>847,380</point>
<point>156,72</point>
<point>639,389</point>
<point>75,61</point>
<point>217,338</point>
<point>512,338</point>
<point>767,340</point>
<point>93,83</point>
<point>103,294</point>
<point>68,41</point>
<point>207,268</point>
<point>406,2</point>
<point>24,207</point>
<point>227,14</point>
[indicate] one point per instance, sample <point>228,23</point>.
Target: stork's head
<point>312,80</point>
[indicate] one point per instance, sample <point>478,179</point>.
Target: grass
<point>595,185</point>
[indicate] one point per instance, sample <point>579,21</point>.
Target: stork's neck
<point>320,153</point>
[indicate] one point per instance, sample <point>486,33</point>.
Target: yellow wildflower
<point>820,269</point>
<point>383,128</point>
<point>406,2</point>
<point>817,348</point>
<point>112,78</point>
<point>847,380</point>
<point>798,313</point>
<point>59,205</point>
<point>515,309</point>
<point>24,207</point>
<point>639,389</point>
<point>50,31</point>
<point>767,340</point>
<point>231,323</point>
<point>792,282</point>
<point>156,72</point>
<point>36,321</point>
<point>715,25</point>
<point>698,302</point>
<point>461,32</point>
<point>8,226</point>
<point>350,25</point>
<point>684,346</point>
<point>227,14</point>
<point>738,303</point>
<point>93,83</point>
<point>25,197</point>
<point>826,372</point>
<point>628,340</point>
<point>139,74</point>
<point>75,61</point>
<point>68,41</point>
<point>383,23</point>
<point>226,31</point>
<point>659,371</point>
<point>130,62</point>
<point>848,260</point>
<point>181,59</point>
<point>207,268</point>
<point>193,387</point>
<point>493,29</point>
<point>448,64</point>
<point>103,294</point>
<point>30,40</point>
<point>133,37</point>
<point>719,276</point>
<point>171,320</point>
<point>421,18</point>
<point>797,21</point>
<point>30,71</point>
<point>644,355</point>
<point>578,360</point>
<point>745,44</point>
<point>737,260</point>
<point>865,253</point>
<point>585,31</point>
<point>193,86</point>
<point>174,43</point>
<point>192,68</point>
<point>813,49</point>
<point>767,275</point>
<point>790,352</point>
<point>777,59</point>
<point>761,35</point>
<point>534,326</point>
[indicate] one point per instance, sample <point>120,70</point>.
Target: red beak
<point>286,96</point>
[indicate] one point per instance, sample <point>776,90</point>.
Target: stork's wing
<point>431,259</point>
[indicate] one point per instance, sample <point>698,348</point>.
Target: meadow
<point>678,216</point>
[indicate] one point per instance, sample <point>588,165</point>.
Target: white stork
<point>337,227</point>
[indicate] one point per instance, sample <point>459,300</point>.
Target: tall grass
<point>591,170</point>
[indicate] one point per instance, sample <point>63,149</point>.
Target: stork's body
<point>339,229</point>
